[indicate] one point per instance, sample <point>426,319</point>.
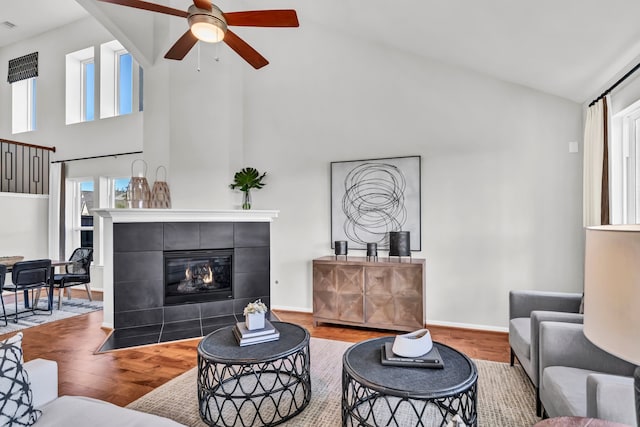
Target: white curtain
<point>56,219</point>
<point>595,141</point>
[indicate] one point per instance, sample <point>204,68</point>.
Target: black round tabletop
<point>221,346</point>
<point>362,362</point>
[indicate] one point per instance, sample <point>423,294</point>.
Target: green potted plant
<point>245,180</point>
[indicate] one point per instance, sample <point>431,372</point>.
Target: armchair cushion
<point>565,391</point>
<point>16,398</point>
<point>611,397</point>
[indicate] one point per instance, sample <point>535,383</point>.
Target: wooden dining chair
<point>78,272</point>
<point>29,276</point>
<point>3,274</point>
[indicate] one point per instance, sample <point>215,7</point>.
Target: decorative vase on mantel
<point>246,200</point>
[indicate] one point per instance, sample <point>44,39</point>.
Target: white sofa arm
<point>43,375</point>
<point>611,397</point>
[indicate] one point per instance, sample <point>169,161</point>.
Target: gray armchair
<point>527,309</point>
<point>579,379</point>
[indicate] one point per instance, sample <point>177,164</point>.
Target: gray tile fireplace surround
<point>138,279</point>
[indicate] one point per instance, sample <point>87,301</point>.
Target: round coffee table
<point>257,385</point>
<point>374,394</point>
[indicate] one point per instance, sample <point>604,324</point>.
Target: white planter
<point>254,321</point>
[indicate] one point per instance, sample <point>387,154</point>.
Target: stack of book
<point>431,359</point>
<point>246,336</point>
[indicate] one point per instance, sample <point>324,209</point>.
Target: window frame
<point>625,166</point>
<point>24,105</point>
<point>74,227</point>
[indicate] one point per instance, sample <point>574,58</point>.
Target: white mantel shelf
<point>186,215</point>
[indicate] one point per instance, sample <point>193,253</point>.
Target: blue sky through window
<point>89,91</point>
<point>126,82</point>
<point>121,184</point>
<point>86,186</point>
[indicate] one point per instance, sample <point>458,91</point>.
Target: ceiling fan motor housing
<point>211,20</point>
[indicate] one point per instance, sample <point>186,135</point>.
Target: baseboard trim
<point>467,326</point>
<point>429,322</point>
<point>293,309</point>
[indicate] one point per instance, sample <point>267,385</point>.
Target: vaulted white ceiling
<point>570,48</point>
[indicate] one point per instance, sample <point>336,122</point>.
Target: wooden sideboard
<point>385,294</point>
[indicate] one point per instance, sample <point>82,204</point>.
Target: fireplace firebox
<point>197,276</point>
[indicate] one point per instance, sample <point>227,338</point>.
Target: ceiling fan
<point>209,24</point>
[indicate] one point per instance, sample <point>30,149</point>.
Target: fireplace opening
<point>197,276</point>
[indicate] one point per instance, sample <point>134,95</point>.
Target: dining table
<point>11,260</point>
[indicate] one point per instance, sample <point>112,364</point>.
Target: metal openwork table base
<point>379,395</point>
<point>257,385</point>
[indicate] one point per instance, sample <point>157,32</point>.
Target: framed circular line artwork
<point>370,198</point>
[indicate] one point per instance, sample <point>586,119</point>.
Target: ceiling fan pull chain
<point>217,52</point>
<point>198,56</point>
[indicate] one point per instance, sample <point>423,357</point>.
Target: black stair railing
<point>24,168</point>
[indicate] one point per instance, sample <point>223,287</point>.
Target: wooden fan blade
<point>263,18</point>
<point>203,4</point>
<point>139,4</point>
<point>182,46</point>
<point>241,47</point>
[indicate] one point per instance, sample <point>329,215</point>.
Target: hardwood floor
<point>122,376</point>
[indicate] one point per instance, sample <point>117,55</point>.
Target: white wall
<point>24,225</point>
<point>99,137</point>
<point>501,195</point>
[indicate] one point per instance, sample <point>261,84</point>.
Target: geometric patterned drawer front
<point>349,279</point>
<point>325,304</point>
<point>324,278</point>
<point>350,307</point>
<point>407,282</point>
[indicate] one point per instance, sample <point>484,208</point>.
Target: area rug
<point>70,307</point>
<point>505,395</point>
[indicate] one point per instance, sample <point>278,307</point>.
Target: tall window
<point>125,83</point>
<point>80,88</point>
<point>79,219</point>
<point>23,105</point>
<point>88,90</point>
<point>117,80</point>
<point>86,217</point>
<point>625,166</point>
<point>118,194</point>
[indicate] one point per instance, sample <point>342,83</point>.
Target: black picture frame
<point>371,197</point>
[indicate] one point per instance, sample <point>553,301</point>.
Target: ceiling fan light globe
<point>207,32</point>
<point>207,25</point>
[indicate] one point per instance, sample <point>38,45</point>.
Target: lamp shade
<point>612,290</point>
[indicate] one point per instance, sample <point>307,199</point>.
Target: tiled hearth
<point>134,271</point>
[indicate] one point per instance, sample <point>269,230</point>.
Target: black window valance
<point>23,68</point>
